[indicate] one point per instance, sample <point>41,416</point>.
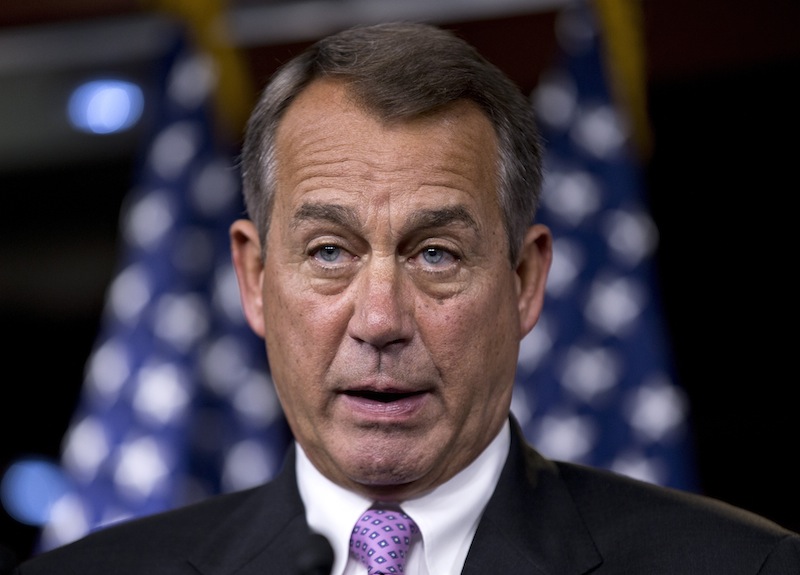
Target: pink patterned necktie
<point>381,538</point>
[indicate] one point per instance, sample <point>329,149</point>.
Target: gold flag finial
<point>622,39</point>
<point>207,23</point>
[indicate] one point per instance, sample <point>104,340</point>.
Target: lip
<point>384,405</point>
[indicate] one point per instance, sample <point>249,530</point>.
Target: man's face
<point>391,312</point>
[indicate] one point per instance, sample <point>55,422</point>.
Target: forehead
<point>328,145</point>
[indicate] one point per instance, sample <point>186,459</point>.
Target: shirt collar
<point>447,516</point>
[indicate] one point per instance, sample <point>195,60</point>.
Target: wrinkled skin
<point>391,312</point>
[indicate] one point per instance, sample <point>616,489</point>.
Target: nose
<point>382,310</point>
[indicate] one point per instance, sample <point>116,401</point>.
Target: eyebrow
<point>333,213</point>
<point>442,217</point>
<point>423,219</point>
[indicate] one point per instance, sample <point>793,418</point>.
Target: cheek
<point>477,334</point>
<point>302,331</point>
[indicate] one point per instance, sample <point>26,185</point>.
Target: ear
<point>249,266</point>
<point>534,265</point>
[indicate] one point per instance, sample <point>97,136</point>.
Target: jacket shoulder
<point>154,544</point>
<point>637,521</point>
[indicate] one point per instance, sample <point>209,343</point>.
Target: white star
<point>68,521</point>
<point>556,99</point>
<point>567,437</point>
<point>599,130</point>
<point>632,236</point>
<point>572,196</point>
<point>174,148</point>
<point>191,80</point>
<point>589,372</point>
<point>535,345</point>
<point>129,294</point>
<point>226,298</point>
<point>568,261</point>
<point>181,319</point>
<point>148,220</point>
<point>247,464</point>
<point>141,467</point>
<point>256,400</point>
<point>85,448</point>
<point>639,467</point>
<point>214,188</point>
<point>161,394</point>
<point>656,408</point>
<point>107,370</point>
<point>614,304</point>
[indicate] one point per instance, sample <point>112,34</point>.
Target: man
<point>391,264</point>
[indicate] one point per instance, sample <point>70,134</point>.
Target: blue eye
<point>329,253</point>
<point>433,255</point>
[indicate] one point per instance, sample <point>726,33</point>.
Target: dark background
<point>722,86</point>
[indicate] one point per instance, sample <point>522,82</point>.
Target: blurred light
<point>30,488</point>
<point>105,106</point>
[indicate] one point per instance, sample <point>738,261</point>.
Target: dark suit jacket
<point>545,518</point>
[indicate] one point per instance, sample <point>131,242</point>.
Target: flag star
<point>599,130</point>
<point>247,463</point>
<point>107,370</point>
<point>161,394</point>
<point>181,319</point>
<point>572,196</point>
<point>214,188</point>
<point>226,298</point>
<point>224,365</point>
<point>535,345</point>
<point>174,148</point>
<point>148,220</point>
<point>589,372</point>
<point>256,400</point>
<point>129,293</point>
<point>140,467</point>
<point>614,304</point>
<point>192,80</point>
<point>567,437</point>
<point>568,261</point>
<point>556,99</point>
<point>656,408</point>
<point>639,467</point>
<point>632,236</point>
<point>86,447</point>
<point>69,520</point>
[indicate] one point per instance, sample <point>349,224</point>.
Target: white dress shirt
<point>447,516</point>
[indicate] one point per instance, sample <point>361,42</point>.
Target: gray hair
<point>403,70</point>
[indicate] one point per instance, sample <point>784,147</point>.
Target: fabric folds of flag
<point>595,382</point>
<point>176,402</point>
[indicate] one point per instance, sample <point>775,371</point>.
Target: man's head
<point>403,70</point>
<point>386,284</point>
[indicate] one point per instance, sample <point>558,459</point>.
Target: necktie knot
<point>381,538</point>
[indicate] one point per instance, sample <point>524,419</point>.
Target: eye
<point>328,253</point>
<point>435,258</point>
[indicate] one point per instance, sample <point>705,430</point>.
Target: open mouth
<point>382,396</point>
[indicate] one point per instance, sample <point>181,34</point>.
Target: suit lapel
<point>263,535</point>
<point>531,524</point>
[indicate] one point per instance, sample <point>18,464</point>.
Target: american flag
<point>177,402</point>
<point>595,382</point>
